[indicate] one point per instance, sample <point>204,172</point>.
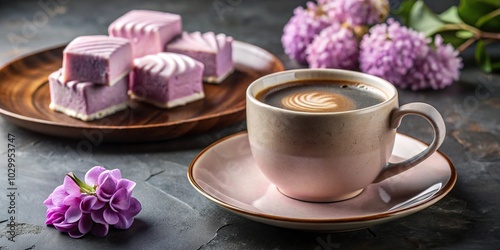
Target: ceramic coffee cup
<point>330,156</point>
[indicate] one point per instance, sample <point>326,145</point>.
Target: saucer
<point>226,174</point>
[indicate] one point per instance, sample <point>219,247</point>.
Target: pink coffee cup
<point>331,156</point>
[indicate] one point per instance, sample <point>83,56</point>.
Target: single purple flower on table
<point>121,207</point>
<point>104,199</point>
<point>63,207</point>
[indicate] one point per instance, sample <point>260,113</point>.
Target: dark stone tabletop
<point>174,215</point>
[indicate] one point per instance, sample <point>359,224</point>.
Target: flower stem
<point>490,35</point>
<point>478,34</point>
<point>84,187</point>
<point>466,44</point>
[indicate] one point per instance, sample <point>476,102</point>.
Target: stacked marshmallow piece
<point>165,80</point>
<point>213,50</point>
<point>147,30</point>
<point>93,81</point>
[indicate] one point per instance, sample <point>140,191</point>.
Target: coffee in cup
<point>324,95</point>
<point>323,135</point>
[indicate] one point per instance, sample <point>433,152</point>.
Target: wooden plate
<point>25,98</point>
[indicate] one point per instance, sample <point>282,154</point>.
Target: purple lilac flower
<point>301,29</point>
<point>335,47</point>
<point>104,199</point>
<point>356,12</point>
<point>406,58</point>
<point>63,207</point>
<point>120,207</point>
<point>390,50</point>
<point>438,70</point>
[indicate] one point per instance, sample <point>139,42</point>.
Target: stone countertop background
<point>174,215</point>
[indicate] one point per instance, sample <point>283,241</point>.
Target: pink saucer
<point>226,174</point>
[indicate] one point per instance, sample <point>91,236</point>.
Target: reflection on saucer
<point>426,194</point>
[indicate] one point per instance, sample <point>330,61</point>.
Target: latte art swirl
<point>317,101</point>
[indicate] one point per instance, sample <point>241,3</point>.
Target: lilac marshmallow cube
<point>97,59</point>
<point>167,80</point>
<point>147,30</point>
<point>85,100</point>
<point>214,51</point>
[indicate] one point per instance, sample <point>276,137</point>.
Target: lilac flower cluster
<point>407,58</point>
<point>341,21</point>
<point>104,199</point>
<point>391,48</point>
<point>438,70</point>
<point>334,47</point>
<point>336,34</point>
<point>300,31</point>
<point>356,12</point>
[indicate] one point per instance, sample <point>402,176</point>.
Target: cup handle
<point>433,117</point>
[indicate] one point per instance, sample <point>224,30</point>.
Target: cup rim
<point>356,74</point>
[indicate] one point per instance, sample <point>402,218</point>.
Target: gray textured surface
<point>174,215</point>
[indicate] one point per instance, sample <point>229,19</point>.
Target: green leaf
<point>404,10</point>
<point>494,3</point>
<point>482,58</point>
<point>475,13</point>
<point>495,67</point>
<point>484,19</point>
<point>452,38</point>
<point>424,19</point>
<point>480,51</point>
<point>450,15</point>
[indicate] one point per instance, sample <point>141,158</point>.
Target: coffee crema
<point>321,96</point>
<point>321,101</point>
